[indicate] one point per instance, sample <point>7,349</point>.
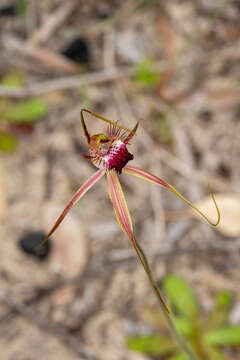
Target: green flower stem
<point>178,338</point>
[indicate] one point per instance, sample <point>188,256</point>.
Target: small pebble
<point>29,241</point>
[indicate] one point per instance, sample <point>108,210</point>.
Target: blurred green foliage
<point>162,127</point>
<point>20,114</point>
<point>145,75</point>
<point>7,142</point>
<point>13,78</point>
<point>207,334</point>
<point>22,6</point>
<point>24,111</point>
<point>145,4</point>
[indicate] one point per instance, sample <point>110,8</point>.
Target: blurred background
<point>173,66</point>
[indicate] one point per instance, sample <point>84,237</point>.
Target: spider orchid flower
<point>109,153</point>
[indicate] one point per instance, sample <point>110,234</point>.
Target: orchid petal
<point>145,175</point>
<point>76,197</point>
<point>119,204</point>
<point>124,219</point>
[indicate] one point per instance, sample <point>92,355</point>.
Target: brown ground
<point>80,303</point>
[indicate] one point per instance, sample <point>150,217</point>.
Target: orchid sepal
<point>145,175</point>
<point>124,219</point>
<point>76,197</point>
<point>102,118</point>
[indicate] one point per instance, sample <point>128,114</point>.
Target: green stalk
<point>178,338</point>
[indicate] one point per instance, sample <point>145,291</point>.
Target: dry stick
<point>31,16</point>
<point>95,29</point>
<point>53,22</point>
<point>234,156</point>
<point>221,248</point>
<point>159,222</point>
<point>184,151</point>
<point>73,82</point>
<point>182,167</point>
<point>109,49</point>
<point>48,58</point>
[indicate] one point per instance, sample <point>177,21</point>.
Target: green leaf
<point>163,128</point>
<point>181,296</point>
<point>215,354</point>
<point>178,357</point>
<point>224,299</point>
<point>7,142</point>
<point>151,344</point>
<point>22,6</point>
<point>144,73</point>
<point>184,326</point>
<point>147,4</point>
<point>229,335</point>
<point>220,312</point>
<point>25,111</point>
<point>13,78</point>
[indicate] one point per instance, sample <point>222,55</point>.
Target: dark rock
<point>77,51</point>
<point>9,10</point>
<point>29,241</point>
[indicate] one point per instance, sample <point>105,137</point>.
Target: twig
<point>31,16</point>
<point>182,148</point>
<point>94,29</point>
<point>53,22</point>
<point>48,58</point>
<point>128,257</point>
<point>109,49</point>
<point>186,171</point>
<point>73,82</point>
<point>234,156</point>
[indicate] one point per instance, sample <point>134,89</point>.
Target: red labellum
<point>118,156</point>
<point>115,157</point>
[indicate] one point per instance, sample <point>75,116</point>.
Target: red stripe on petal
<point>124,219</point>
<point>119,204</point>
<point>76,197</point>
<point>145,175</point>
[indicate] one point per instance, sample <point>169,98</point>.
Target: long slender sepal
<point>84,126</point>
<point>132,133</point>
<point>145,175</point>
<point>119,204</point>
<point>124,219</point>
<point>104,119</point>
<point>196,209</point>
<point>76,197</point>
